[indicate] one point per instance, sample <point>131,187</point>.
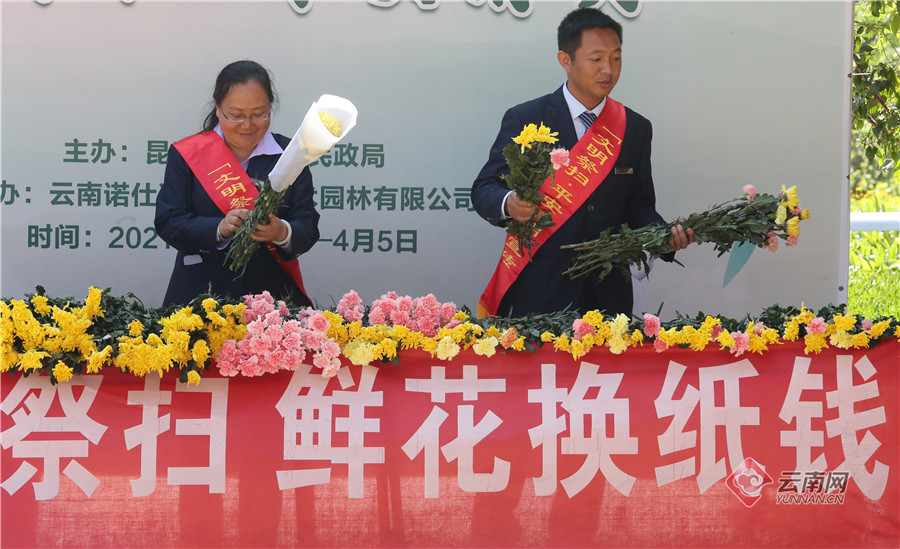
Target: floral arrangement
<point>61,338</point>
<point>326,122</point>
<point>530,164</point>
<point>758,218</point>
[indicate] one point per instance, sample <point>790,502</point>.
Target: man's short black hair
<point>568,36</point>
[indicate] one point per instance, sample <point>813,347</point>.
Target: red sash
<point>590,161</point>
<point>225,181</point>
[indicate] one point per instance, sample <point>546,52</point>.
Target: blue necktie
<point>587,118</point>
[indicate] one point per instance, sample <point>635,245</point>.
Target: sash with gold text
<point>590,161</point>
<point>225,181</point>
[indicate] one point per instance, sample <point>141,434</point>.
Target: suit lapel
<point>561,119</point>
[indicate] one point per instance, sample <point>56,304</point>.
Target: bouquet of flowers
<point>758,218</point>
<point>530,164</point>
<point>326,122</point>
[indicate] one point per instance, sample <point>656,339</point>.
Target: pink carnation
<point>791,241</point>
<point>741,343</point>
<point>448,311</point>
<point>651,325</point>
<point>560,158</point>
<point>274,361</point>
<point>717,329</point>
<point>250,366</point>
<point>816,326</point>
<point>376,317</point>
<point>867,324</point>
<point>750,190</point>
<point>275,334</point>
<point>332,369</point>
<point>659,345</point>
<point>581,329</point>
<point>350,307</point>
<point>399,318</point>
<point>318,323</point>
<point>331,348</point>
<point>294,358</point>
<point>773,241</point>
<point>258,345</point>
<point>321,360</point>
<point>314,340</point>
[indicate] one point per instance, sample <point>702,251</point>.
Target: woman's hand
<point>232,221</point>
<point>274,231</point>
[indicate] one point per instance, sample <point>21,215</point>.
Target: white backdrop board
<point>93,92</point>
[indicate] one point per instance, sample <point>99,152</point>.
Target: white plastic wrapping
<point>312,139</point>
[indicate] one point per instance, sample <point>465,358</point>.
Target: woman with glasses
<point>210,182</point>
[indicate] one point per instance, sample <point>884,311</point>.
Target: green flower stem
<point>737,220</point>
<point>242,245</point>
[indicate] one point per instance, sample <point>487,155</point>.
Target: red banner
<point>678,449</point>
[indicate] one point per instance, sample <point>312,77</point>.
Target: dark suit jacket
<point>541,287</point>
<point>187,219</point>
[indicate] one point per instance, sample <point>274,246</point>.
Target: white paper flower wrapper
<point>312,139</point>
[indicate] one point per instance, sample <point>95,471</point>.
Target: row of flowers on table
<point>62,337</point>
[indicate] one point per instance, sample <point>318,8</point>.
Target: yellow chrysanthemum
<point>547,337</point>
<point>793,226</point>
<point>577,349</point>
<point>32,360</point>
<point>841,339</point>
<point>62,372</point>
<point>532,134</point>
<point>97,360</point>
<point>617,345</point>
<point>486,346</point>
<point>209,304</point>
<point>359,351</point>
<point>814,343</point>
<point>594,318</point>
<point>91,307</point>
<point>519,344</point>
<point>725,339</point>
<point>790,196</point>
<point>562,343</point>
<point>860,340</point>
<point>544,135</point>
<point>792,329</point>
<point>492,331</point>
<point>200,352</point>
<point>135,328</point>
<point>193,377</point>
<point>699,340</point>
<point>843,322</point>
<point>41,305</point>
<point>526,137</point>
<point>461,316</point>
<point>879,328</point>
<point>804,214</point>
<point>387,348</point>
<point>780,215</point>
<point>331,122</point>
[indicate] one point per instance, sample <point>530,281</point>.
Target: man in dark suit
<point>590,51</point>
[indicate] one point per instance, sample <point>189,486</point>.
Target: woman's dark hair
<point>238,72</point>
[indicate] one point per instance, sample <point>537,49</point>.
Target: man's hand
<point>681,238</point>
<point>274,231</point>
<point>232,221</point>
<point>520,210</point>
